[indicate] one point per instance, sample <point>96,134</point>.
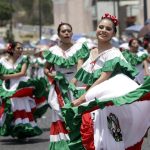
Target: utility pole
<point>119,27</point>
<point>95,14</point>
<point>145,10</point>
<point>40,20</point>
<point>11,22</point>
<point>114,7</point>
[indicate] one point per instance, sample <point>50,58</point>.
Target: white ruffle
<point>56,50</point>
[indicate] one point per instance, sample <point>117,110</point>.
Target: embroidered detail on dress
<point>114,127</point>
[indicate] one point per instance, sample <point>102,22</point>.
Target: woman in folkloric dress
<point>106,115</point>
<point>136,57</point>
<point>63,60</point>
<point>146,63</point>
<point>18,95</point>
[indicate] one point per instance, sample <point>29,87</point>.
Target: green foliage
<point>6,10</point>
<point>31,11</point>
<point>47,11</point>
<point>26,11</point>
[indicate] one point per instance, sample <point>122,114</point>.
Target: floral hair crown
<point>112,18</point>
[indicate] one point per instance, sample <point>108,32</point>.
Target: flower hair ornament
<point>61,23</point>
<point>112,18</point>
<point>145,42</point>
<point>9,47</point>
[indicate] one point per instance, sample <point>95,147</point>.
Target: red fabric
<point>2,109</point>
<point>40,100</point>
<point>33,110</point>
<point>145,97</point>
<point>51,80</point>
<point>24,92</point>
<point>58,127</point>
<point>23,114</point>
<point>87,132</point>
<point>137,146</point>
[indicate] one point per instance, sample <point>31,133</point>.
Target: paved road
<point>41,142</point>
<point>37,143</point>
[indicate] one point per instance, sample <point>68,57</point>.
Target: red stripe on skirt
<point>24,92</point>
<point>58,127</point>
<point>23,114</point>
<point>59,96</point>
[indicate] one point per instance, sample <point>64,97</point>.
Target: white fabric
<point>56,50</point>
<point>25,121</point>
<point>59,137</point>
<point>113,87</point>
<point>26,103</point>
<point>53,101</point>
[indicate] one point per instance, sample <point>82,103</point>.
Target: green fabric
<point>63,86</point>
<point>60,145</point>
<point>115,65</point>
<point>76,144</point>
<point>76,92</point>
<point>6,129</point>
<point>132,58</point>
<point>20,130</point>
<point>83,53</point>
<point>26,130</point>
<point>39,112</point>
<point>3,70</point>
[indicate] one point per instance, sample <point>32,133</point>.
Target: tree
<point>6,11</point>
<point>28,11</point>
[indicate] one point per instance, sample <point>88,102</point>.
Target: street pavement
<point>41,142</point>
<point>35,143</point>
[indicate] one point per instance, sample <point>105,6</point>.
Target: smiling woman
<point>108,115</point>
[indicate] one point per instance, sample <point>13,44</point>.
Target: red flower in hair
<point>145,42</point>
<point>9,47</point>
<point>112,18</point>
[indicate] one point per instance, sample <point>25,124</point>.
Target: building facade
<point>76,12</point>
<point>83,15</point>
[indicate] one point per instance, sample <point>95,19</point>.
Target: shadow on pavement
<point>22,141</point>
